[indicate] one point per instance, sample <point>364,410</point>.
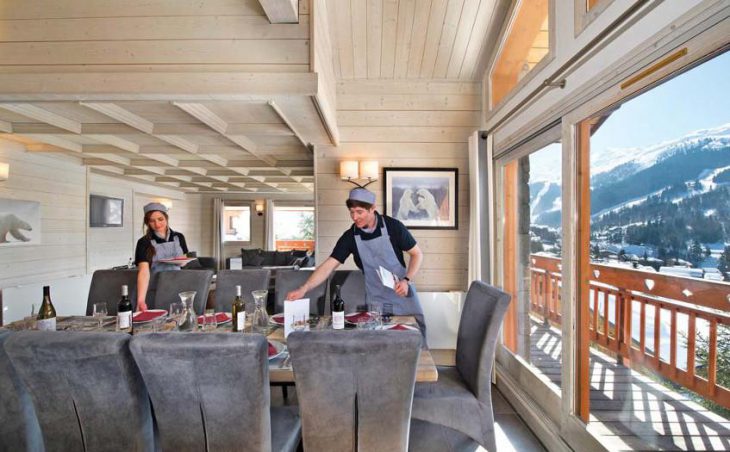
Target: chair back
<point>249,280</point>
<point>19,429</point>
<point>208,391</point>
<point>106,286</point>
<point>86,389</point>
<point>352,288</point>
<point>288,280</point>
<point>355,390</point>
<point>170,284</point>
<point>481,318</point>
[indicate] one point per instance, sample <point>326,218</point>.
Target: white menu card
<point>294,308</point>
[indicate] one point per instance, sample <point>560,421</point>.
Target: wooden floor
<point>631,411</point>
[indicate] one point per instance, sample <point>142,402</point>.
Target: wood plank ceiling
<point>194,146</point>
<point>412,39</point>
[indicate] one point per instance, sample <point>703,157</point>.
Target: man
<point>374,240</point>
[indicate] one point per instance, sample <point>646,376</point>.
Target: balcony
<point>641,398</point>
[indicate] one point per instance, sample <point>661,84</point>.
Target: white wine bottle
<point>338,312</point>
<point>238,313</point>
<point>124,312</point>
<point>47,313</point>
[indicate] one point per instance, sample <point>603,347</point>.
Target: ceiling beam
<point>165,86</point>
<point>281,11</point>
<point>43,115</point>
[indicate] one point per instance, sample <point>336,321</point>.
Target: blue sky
<point>698,99</point>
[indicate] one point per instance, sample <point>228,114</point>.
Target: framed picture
<point>20,223</point>
<point>422,198</point>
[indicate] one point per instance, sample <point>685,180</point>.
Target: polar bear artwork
<point>12,225</point>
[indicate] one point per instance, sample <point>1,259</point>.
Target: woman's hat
<point>155,206</point>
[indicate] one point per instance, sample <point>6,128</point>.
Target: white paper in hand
<point>386,277</point>
<point>294,308</point>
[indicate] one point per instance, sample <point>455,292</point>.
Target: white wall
<point>69,248</point>
<point>402,124</point>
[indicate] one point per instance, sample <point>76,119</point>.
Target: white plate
<point>280,348</point>
<point>164,313</point>
<point>180,262</point>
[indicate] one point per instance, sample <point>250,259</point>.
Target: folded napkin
<point>220,317</point>
<point>400,327</point>
<point>146,316</point>
<point>357,317</point>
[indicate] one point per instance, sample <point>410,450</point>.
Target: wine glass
<point>299,322</point>
<point>99,312</point>
<point>177,313</point>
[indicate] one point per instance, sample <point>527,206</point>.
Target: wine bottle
<point>124,312</point>
<point>238,313</point>
<point>338,311</point>
<point>47,313</point>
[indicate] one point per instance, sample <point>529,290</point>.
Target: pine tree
<point>723,263</point>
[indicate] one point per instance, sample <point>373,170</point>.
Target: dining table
<point>280,369</point>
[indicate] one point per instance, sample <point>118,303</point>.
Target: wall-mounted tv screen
<point>105,212</point>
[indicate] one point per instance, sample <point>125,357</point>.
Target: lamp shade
<point>167,203</point>
<point>259,207</point>
<point>4,171</point>
<point>348,169</point>
<point>369,169</point>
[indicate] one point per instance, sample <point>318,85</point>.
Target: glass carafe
<point>190,320</point>
<point>260,320</point>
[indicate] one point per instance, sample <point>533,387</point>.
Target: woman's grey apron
<point>165,250</point>
<point>379,252</point>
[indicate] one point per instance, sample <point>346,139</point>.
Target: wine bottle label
<point>338,320</point>
<point>47,324</point>
<point>240,321</point>
<point>124,320</point>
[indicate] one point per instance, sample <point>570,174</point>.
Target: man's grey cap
<point>362,195</point>
<point>155,206</point>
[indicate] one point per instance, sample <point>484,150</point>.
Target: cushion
<point>283,258</point>
<point>269,258</point>
<point>247,256</point>
<point>298,253</point>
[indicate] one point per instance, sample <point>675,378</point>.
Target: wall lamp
<point>167,203</point>
<point>366,170</point>
<point>4,171</point>
<point>259,208</point>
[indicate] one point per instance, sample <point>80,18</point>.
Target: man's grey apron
<point>165,250</point>
<point>379,252</point>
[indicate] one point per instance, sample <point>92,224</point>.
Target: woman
<point>159,243</point>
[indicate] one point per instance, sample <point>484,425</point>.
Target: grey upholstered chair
<point>106,286</point>
<point>355,390</point>
<point>249,280</point>
<point>19,429</point>
<point>170,284</point>
<point>352,288</point>
<point>211,392</point>
<point>86,389</point>
<point>288,280</point>
<point>461,399</point>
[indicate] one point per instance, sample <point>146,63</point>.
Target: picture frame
<point>422,198</point>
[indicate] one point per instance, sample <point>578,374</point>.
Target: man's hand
<point>296,294</point>
<point>141,306</point>
<point>401,288</point>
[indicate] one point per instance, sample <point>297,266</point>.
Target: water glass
<point>209,321</point>
<point>299,322</point>
<point>177,313</point>
<point>99,312</point>
<point>387,313</point>
<point>29,322</point>
<point>376,312</point>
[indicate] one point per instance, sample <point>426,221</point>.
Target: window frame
<point>250,222</point>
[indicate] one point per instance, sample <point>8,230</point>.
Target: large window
<point>294,227</point>
<point>654,317</point>
<point>236,223</point>
<point>525,44</point>
<point>531,249</point>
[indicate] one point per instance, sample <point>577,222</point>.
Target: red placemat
<point>220,317</point>
<point>148,315</point>
<point>357,317</point>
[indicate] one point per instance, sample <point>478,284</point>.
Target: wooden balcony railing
<point>288,245</point>
<point>621,298</point>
